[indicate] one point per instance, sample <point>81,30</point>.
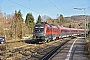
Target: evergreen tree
<point>70,25</point>
<point>30,21</point>
<point>19,15</point>
<point>61,18</point>
<point>15,13</point>
<point>19,23</point>
<point>39,19</point>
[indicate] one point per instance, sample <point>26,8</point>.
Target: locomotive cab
<point>45,32</point>
<point>38,33</point>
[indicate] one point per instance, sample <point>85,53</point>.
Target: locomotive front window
<point>39,29</point>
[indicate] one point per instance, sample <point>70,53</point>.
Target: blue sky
<point>45,7</point>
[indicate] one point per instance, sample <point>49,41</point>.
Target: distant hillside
<point>77,17</point>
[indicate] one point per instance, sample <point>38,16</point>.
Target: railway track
<point>27,50</point>
<point>49,54</point>
<point>45,53</point>
<point>72,50</point>
<point>67,50</point>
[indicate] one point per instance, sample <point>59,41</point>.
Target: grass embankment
<point>88,45</point>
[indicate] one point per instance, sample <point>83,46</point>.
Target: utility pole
<point>84,18</point>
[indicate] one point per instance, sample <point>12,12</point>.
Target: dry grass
<point>16,44</point>
<point>88,45</point>
<point>13,40</point>
<point>11,46</point>
<point>88,48</point>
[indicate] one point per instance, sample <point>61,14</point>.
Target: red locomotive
<point>44,32</point>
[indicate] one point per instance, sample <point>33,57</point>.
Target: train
<point>44,32</point>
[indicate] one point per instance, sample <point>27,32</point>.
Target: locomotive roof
<point>45,23</point>
<point>61,27</point>
<point>73,28</point>
<point>54,26</point>
<point>39,26</point>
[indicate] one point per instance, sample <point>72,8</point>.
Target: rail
<point>73,53</point>
<point>49,54</point>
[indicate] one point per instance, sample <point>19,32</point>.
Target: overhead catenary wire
<point>57,7</point>
<point>24,6</point>
<point>28,7</point>
<point>54,5</point>
<point>62,7</point>
<point>43,8</point>
<point>35,10</point>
